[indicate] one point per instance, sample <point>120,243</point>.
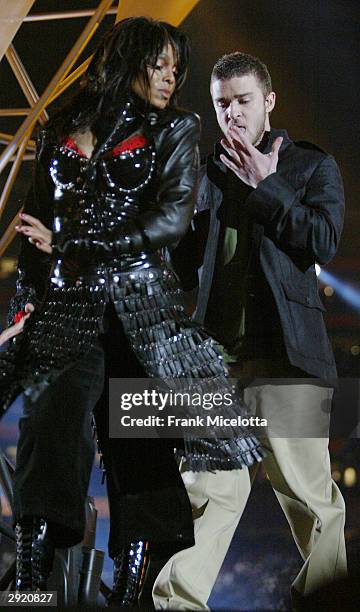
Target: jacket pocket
<point>307,333</point>
<point>303,293</point>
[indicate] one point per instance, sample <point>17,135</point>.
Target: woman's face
<point>162,79</point>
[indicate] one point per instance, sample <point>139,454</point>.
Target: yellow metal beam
<point>173,11</point>
<point>70,79</point>
<point>25,130</point>
<point>14,112</point>
<point>24,80</point>
<point>13,174</point>
<point>12,13</point>
<point>9,234</point>
<point>66,14</point>
<point>5,138</point>
<point>57,85</point>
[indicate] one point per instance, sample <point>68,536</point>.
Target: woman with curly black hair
<point>114,179</point>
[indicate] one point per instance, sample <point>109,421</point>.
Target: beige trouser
<point>299,471</point>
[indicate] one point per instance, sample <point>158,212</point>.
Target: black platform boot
<point>34,554</point>
<point>130,567</point>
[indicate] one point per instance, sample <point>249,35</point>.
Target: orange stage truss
<point>20,147</point>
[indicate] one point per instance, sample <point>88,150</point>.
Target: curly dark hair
<point>123,54</point>
<point>240,64</point>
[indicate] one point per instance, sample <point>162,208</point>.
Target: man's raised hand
<point>247,163</point>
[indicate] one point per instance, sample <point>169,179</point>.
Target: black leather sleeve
<point>33,265</point>
<point>169,214</point>
<point>178,162</point>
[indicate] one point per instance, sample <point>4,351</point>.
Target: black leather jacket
<point>111,215</point>
<point>102,212</point>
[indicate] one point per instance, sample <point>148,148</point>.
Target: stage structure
<point>20,146</point>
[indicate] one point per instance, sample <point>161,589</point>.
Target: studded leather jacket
<point>111,215</point>
<point>111,212</point>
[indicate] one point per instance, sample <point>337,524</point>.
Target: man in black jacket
<point>267,210</point>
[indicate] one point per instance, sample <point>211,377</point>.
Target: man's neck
<point>263,141</point>
<point>260,137</point>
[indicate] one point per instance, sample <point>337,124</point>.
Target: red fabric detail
<point>19,315</point>
<point>134,142</point>
<point>71,144</point>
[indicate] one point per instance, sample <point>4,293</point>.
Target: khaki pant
<point>299,471</point>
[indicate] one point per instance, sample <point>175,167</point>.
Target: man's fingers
<point>227,143</point>
<point>29,308</point>
<point>238,156</point>
<point>233,154</point>
<point>241,140</point>
<point>230,151</point>
<point>276,145</point>
<point>230,164</point>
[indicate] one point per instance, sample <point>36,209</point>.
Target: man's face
<point>240,101</point>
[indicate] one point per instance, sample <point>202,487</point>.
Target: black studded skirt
<point>170,347</point>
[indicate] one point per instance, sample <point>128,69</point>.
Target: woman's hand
<point>37,233</point>
<point>17,328</point>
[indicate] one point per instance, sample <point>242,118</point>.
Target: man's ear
<point>270,101</point>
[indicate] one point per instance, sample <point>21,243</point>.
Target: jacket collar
<point>274,133</point>
<point>270,137</point>
<point>216,170</point>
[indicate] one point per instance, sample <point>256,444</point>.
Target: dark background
<point>312,51</point>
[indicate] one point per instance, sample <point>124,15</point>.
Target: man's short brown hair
<point>240,64</point>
